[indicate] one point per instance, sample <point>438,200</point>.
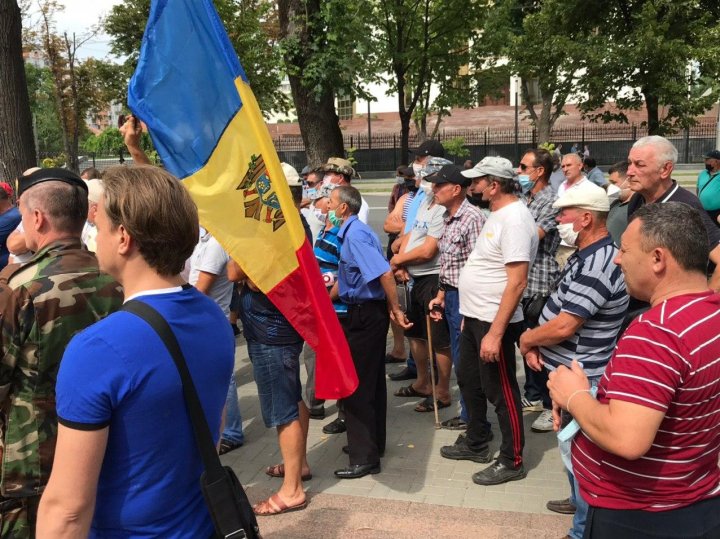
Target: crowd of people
<point>605,289</point>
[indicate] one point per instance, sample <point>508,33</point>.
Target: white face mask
<point>319,215</point>
<point>567,233</point>
<point>327,180</point>
<point>426,186</point>
<point>613,193</point>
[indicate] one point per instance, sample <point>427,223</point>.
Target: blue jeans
<point>276,368</point>
<point>581,506</point>
<point>233,420</point>
<point>454,319</point>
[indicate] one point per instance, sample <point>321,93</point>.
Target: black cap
<point>430,147</point>
<point>49,175</point>
<point>407,172</point>
<point>449,174</point>
<point>713,154</point>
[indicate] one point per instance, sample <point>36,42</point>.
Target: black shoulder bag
<point>229,507</point>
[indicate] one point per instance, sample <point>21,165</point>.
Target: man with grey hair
<point>650,166</point>
<point>491,285</point>
<point>366,284</point>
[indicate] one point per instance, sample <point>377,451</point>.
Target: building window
<point>345,107</point>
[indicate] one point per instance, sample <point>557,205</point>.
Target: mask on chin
<point>526,184</point>
<point>478,202</point>
<point>319,215</point>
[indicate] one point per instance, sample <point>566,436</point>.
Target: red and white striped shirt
<point>667,360</point>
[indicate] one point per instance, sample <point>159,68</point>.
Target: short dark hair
<point>156,210</point>
<point>590,162</point>
<point>350,196</point>
<point>621,167</point>
<point>678,228</point>
<point>542,158</point>
<point>92,172</point>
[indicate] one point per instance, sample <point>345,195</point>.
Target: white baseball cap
<point>585,195</point>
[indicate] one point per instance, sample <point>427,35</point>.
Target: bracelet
<point>567,406</point>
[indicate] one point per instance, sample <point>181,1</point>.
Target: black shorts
<point>424,289</point>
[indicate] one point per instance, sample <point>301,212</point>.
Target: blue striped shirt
<point>327,253</point>
<point>592,287</point>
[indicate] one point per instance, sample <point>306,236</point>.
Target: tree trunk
<point>319,123</point>
<point>17,149</point>
<point>405,117</point>
<point>545,123</point>
<point>653,115</point>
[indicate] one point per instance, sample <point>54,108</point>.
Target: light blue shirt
<point>361,263</point>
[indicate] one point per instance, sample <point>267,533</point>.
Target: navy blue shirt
<point>8,222</point>
<point>361,263</point>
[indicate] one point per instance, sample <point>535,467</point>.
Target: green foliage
<point>549,146</point>
<point>250,24</point>
<point>456,146</point>
<point>660,54</point>
<point>54,162</point>
<point>42,106</point>
<point>350,155</point>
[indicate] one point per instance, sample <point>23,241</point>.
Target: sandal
<point>389,358</point>
<point>275,506</point>
<point>409,391</point>
<point>278,470</point>
<point>427,405</point>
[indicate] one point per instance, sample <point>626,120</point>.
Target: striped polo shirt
<point>667,360</point>
<point>327,253</point>
<point>592,287</point>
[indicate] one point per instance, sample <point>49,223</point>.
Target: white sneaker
<point>531,406</point>
<point>544,422</point>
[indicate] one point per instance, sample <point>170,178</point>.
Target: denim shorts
<point>276,368</point>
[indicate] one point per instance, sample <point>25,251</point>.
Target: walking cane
<point>432,370</point>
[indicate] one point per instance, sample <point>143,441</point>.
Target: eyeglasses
<point>525,167</point>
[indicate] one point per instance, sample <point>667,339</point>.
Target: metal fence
<point>607,144</point>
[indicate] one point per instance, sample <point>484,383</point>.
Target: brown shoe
<point>564,507</point>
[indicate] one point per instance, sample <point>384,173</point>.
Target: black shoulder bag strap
<point>227,502</point>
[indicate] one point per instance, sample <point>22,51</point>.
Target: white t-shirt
<point>509,235</point>
<point>210,257</point>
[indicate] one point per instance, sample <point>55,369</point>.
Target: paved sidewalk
<point>422,493</point>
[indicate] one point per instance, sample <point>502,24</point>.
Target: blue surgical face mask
<point>311,192</point>
<point>526,184</point>
<point>334,219</point>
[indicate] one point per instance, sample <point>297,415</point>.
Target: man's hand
<point>400,319</point>
<point>401,275</point>
<point>490,348</point>
<point>436,307</point>
<point>563,382</point>
<point>522,344</point>
<point>131,132</point>
<point>534,359</point>
<point>557,421</point>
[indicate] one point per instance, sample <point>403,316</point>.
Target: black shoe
<point>335,427</point>
<point>356,471</point>
<point>498,473</point>
<point>236,330</point>
<point>346,450</point>
<point>564,507</point>
<point>317,413</point>
<point>226,446</point>
<point>460,451</point>
<point>404,374</point>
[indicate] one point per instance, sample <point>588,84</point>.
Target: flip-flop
<point>278,470</point>
<point>275,506</point>
<point>426,405</point>
<point>409,391</point>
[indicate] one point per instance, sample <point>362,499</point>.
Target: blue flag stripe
<point>184,85</point>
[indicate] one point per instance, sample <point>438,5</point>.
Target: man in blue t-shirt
<point>9,220</point>
<point>126,462</point>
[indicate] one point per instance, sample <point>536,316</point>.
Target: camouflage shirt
<point>42,304</point>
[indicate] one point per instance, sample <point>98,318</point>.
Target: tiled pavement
<point>414,477</point>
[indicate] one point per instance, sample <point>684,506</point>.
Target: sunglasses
<point>525,167</point>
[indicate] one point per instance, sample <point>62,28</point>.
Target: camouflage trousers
<point>18,517</point>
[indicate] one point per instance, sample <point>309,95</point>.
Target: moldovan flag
<point>191,91</point>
